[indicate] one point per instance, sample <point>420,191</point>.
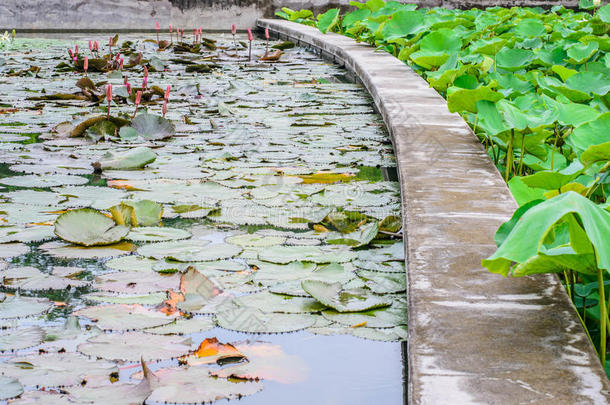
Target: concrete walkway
<point>474,337</point>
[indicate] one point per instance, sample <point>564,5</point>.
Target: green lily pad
<point>89,227</point>
<point>122,317</point>
<point>316,254</point>
<point>21,338</point>
<point>156,234</point>
<point>17,306</point>
<point>153,127</point>
<point>136,158</point>
<point>53,180</point>
<point>253,320</point>
<point>352,300</point>
<point>10,388</point>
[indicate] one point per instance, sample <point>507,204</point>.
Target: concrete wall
<point>109,15</point>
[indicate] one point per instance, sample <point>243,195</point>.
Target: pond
<point>234,229</point>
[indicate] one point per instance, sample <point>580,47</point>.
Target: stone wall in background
<point>210,14</point>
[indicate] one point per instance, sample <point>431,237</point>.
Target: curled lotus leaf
<point>153,127</point>
<point>89,227</point>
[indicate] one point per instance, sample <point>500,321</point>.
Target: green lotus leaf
<point>287,254</point>
<point>385,317</point>
<point>344,300</point>
<point>462,100</point>
<point>358,238</point>
<point>328,20</point>
<point>525,240</point>
<point>135,158</point>
<point>270,302</point>
<point>549,180</point>
<point>488,46</point>
<point>101,130</point>
<point>123,317</point>
<point>596,153</point>
<point>153,127</point>
<point>513,59</point>
<point>145,212</point>
<point>589,82</point>
<point>604,13</point>
<point>89,227</point>
<point>529,27</point>
<point>402,24</point>
<point>383,283</point>
<point>354,17</point>
<point>591,133</point>
<point>581,53</point>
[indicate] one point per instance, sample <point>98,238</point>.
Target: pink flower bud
<point>157,23</point>
<point>86,64</point>
<point>233,29</point>
<point>267,33</point>
<point>250,36</point>
<point>170,28</point>
<point>169,88</point>
<point>164,108</point>
<point>71,53</point>
<point>109,92</point>
<point>97,46</point>
<point>90,45</point>
<point>138,97</point>
<point>145,71</point>
<point>76,49</point>
<point>128,88</point>
<point>121,64</point>
<point>195,32</point>
<point>145,82</point>
<point>110,42</point>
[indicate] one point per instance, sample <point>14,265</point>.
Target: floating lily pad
<point>21,338</point>
<point>190,251</point>
<point>135,158</point>
<point>111,298</point>
<point>9,388</point>
<point>36,181</point>
<point>122,317</point>
<point>8,250</point>
<point>132,346</point>
<point>184,326</point>
<point>388,317</point>
<point>17,306</point>
<point>269,302</point>
<point>344,300</point>
<point>193,385</point>
<point>88,227</point>
<point>131,263</point>
<point>287,254</point>
<point>30,278</point>
<point>153,127</point>
<point>136,283</point>
<point>252,320</point>
<point>56,369</point>
<point>156,234</point>
<point>256,241</point>
<point>70,251</point>
<point>384,283</point>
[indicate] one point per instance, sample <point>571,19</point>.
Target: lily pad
<point>136,158</point>
<point>88,227</point>
<point>156,234</point>
<point>153,127</point>
<point>17,306</point>
<point>122,317</point>
<point>344,300</point>
<point>37,181</point>
<point>252,320</point>
<point>287,254</point>
<point>9,388</point>
<point>70,251</point>
<point>21,338</point>
<point>132,346</point>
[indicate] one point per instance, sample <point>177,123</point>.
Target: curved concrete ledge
<point>474,337</point>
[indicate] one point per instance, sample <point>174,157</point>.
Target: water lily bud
<point>233,29</point>
<point>138,97</point>
<point>76,49</point>
<point>145,82</point>
<point>128,88</point>
<point>97,46</point>
<point>86,64</point>
<point>121,64</point>
<point>109,92</point>
<point>164,108</point>
<point>170,28</point>
<point>169,88</point>
<point>157,23</point>
<point>267,33</point>
<point>250,36</point>
<point>71,53</point>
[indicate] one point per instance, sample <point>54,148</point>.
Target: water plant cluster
<point>158,195</point>
<point>534,87</point>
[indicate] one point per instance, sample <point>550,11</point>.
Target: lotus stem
<point>250,39</point>
<point>86,65</point>
<point>509,155</point>
<point>138,99</point>
<point>267,38</point>
<point>602,316</point>
<point>108,98</point>
<point>233,32</point>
